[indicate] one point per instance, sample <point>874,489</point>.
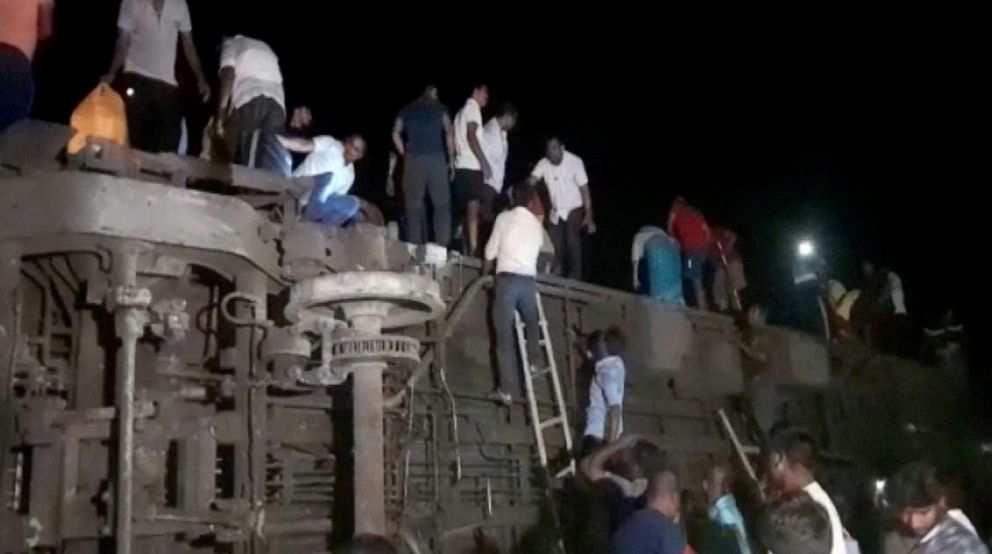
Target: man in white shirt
<point>147,34</point>
<point>331,165</point>
<point>496,149</point>
<point>790,457</point>
<point>251,95</point>
<point>514,245</point>
<point>564,174</point>
<point>471,167</point>
<point>604,415</point>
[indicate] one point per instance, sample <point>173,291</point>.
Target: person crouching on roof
<point>331,165</point>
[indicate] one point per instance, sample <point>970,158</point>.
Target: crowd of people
<point>448,170</point>
<point>630,500</point>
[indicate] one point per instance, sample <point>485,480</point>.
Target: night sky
<point>877,146</point>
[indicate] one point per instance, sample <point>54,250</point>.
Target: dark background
<point>874,145</point>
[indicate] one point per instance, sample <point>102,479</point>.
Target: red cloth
<point>689,227</point>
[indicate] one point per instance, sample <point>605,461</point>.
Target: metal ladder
<point>558,420</point>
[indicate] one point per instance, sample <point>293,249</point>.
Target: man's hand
<point>218,124</point>
<point>589,224</point>
<point>451,171</point>
<point>628,441</point>
<point>204,87</point>
<point>487,172</point>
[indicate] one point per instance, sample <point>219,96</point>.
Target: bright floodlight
<point>129,91</point>
<point>806,248</point>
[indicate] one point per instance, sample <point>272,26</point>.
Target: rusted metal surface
<point>243,359</point>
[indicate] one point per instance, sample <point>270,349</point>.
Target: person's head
<point>507,117</point>
<point>868,268</point>
<point>594,345</point>
<point>354,148</point>
<point>369,544</point>
<point>790,457</point>
<point>795,524</point>
<point>554,150</point>
<point>480,93</point>
<point>663,493</point>
<point>430,92</point>
<point>756,316</point>
<point>914,496</point>
<point>525,196</point>
<point>614,341</point>
<point>717,483</point>
<point>638,462</point>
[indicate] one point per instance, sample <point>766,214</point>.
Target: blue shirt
<point>423,127</point>
<point>648,532</point>
<point>724,513</point>
<point>605,391</point>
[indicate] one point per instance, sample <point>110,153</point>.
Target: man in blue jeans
<point>331,165</point>
<point>515,243</point>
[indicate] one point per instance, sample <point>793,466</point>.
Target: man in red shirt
<point>689,227</point>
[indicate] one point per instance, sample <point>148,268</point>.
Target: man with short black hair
<point>423,136</point>
<point>604,415</point>
<point>790,456</point>
<point>916,495</point>
<point>797,524</point>
<point>514,245</point>
<point>653,530</point>
<point>471,167</point>
<point>331,165</point>
<point>496,148</point>
<point>564,175</point>
<point>725,518</point>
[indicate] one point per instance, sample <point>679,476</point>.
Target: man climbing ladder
<point>515,244</point>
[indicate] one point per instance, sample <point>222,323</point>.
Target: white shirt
<point>898,296</point>
<point>496,148</point>
<point>564,182</point>
<point>153,39</point>
<point>605,390</point>
<point>820,496</point>
<point>516,242</point>
<point>328,157</point>
<point>256,70</point>
<point>464,157</point>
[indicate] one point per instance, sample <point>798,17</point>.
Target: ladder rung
<point>550,422</point>
<point>540,372</point>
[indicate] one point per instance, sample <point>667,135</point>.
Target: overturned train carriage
<point>185,368</point>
